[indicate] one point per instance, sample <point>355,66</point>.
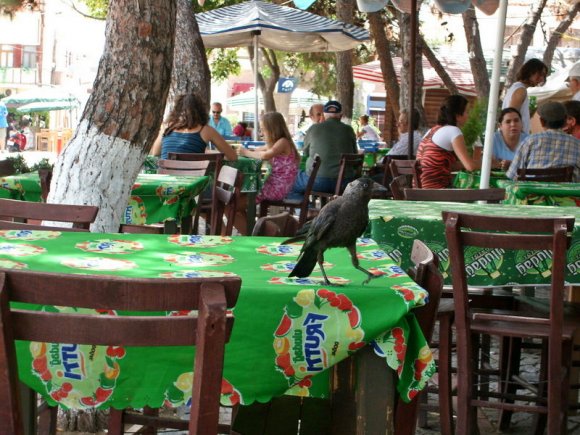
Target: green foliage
<point>97,8</point>
<point>42,164</point>
<point>19,164</point>
<point>474,127</point>
<point>224,63</point>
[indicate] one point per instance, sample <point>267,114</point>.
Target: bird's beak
<point>378,188</point>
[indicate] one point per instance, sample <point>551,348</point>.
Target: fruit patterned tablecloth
<point>287,331</point>
<point>471,180</point>
<point>539,193</point>
<point>395,224</point>
<point>154,198</point>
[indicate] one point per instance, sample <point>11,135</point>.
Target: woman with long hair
<point>532,73</point>
<point>443,149</point>
<point>187,130</point>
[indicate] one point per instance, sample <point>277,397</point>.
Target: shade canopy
<point>38,95</point>
<point>461,76</point>
<point>280,28</point>
<point>46,106</point>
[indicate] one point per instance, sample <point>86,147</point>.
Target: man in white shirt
<point>402,146</point>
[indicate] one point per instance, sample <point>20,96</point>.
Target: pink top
<point>281,180</point>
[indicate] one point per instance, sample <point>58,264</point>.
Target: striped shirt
<point>549,149</point>
<point>176,142</point>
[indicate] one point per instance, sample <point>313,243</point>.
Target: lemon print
<point>185,381</point>
<point>305,297</point>
<point>357,334</point>
<point>281,345</point>
<point>37,349</point>
<point>425,354</point>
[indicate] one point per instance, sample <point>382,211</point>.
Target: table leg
<point>28,403</point>
<point>251,211</point>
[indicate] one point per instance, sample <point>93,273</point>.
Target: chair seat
<point>515,329</point>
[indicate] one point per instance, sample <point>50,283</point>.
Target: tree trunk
<point>345,10</point>
<point>190,72</point>
<point>476,59</point>
<point>556,35</point>
<point>405,37</point>
<point>122,116</point>
<point>267,86</point>
<point>526,36</point>
<point>378,34</point>
<point>439,69</point>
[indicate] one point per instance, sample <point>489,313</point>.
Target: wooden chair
<point>492,195</point>
<point>557,175</point>
<point>399,184</point>
<point>208,331</point>
<point>386,164</point>
<point>277,225</point>
<point>182,167</point>
<point>551,234</point>
<point>17,215</point>
<point>6,168</point>
<point>205,202</point>
<point>227,192</point>
<point>406,167</point>
<point>293,204</point>
<point>168,227</point>
<point>425,272</point>
<point>351,166</point>
<point>45,176</point>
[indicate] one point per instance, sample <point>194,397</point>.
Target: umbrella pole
<point>412,66</point>
<point>256,51</point>
<point>493,97</point>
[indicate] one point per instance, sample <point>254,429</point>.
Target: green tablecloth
<point>395,224</point>
<point>154,198</point>
<point>538,193</point>
<point>287,332</point>
<point>470,180</point>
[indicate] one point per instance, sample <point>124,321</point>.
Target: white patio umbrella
<point>261,24</point>
<point>46,106</point>
<point>38,95</point>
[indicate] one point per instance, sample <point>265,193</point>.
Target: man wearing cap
<point>550,149</point>
<point>329,139</point>
<point>574,81</point>
<point>217,121</point>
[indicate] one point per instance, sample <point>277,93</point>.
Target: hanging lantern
<point>453,6</point>
<point>371,5</point>
<point>405,5</point>
<point>488,7</point>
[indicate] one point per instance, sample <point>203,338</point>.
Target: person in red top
<point>443,149</point>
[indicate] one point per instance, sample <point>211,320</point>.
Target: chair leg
<point>116,425</point>
<point>47,418</point>
<point>510,355</point>
<point>444,369</point>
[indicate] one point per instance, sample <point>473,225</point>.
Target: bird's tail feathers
<point>305,264</point>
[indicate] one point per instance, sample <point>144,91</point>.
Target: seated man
<point>550,149</point>
<point>402,146</point>
<point>573,119</point>
<point>329,139</point>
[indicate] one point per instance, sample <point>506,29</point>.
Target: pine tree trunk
<point>556,35</point>
<point>377,27</point>
<point>476,59</point>
<point>526,36</point>
<point>439,69</point>
<point>123,114</point>
<point>190,72</point>
<point>405,37</point>
<point>345,10</point>
<point>267,86</point>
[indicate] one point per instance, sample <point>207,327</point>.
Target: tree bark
<point>528,30</point>
<point>345,10</point>
<point>476,59</point>
<point>378,33</point>
<point>439,69</point>
<point>556,35</point>
<point>405,37</point>
<point>123,114</point>
<point>267,86</point>
<point>190,72</point>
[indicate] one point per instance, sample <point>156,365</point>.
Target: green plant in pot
<point>474,127</point>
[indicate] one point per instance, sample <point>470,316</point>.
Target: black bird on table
<point>338,225</point>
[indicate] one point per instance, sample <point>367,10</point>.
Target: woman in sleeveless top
<point>532,73</point>
<point>187,130</point>
<point>443,149</point>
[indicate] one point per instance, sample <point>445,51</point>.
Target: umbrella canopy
<point>46,106</point>
<point>280,28</point>
<point>46,95</point>
<point>299,98</point>
<point>461,76</point>
<point>261,24</point>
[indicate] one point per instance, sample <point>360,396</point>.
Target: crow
<point>339,224</point>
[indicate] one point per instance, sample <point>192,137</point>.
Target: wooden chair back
<point>205,203</point>
<point>386,164</point>
<point>168,227</point>
<point>398,185</point>
<point>496,232</point>
<point>558,174</point>
<point>183,167</point>
<point>16,214</point>
<point>350,168</point>
<point>278,225</point>
<point>208,331</point>
<point>406,167</point>
<point>45,176</point>
<point>6,168</point>
<point>301,204</point>
<point>492,195</point>
<point>227,193</point>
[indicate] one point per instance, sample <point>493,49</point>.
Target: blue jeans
<point>321,184</point>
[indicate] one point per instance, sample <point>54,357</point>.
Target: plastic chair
<point>204,202</point>
<point>277,225</point>
<point>293,204</point>
<point>529,234</point>
<point>208,331</point>
<point>557,175</point>
<point>227,193</point>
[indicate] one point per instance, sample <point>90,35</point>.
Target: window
<point>6,56</point>
<point>29,56</point>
